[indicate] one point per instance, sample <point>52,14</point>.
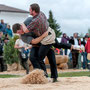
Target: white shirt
<point>85,41</point>
<point>20,43</point>
<point>75,41</point>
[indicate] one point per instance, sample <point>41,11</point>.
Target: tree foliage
<point>81,35</point>
<point>89,32</point>
<point>10,53</point>
<point>54,25</point>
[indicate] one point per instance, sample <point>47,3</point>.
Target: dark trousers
<point>52,62</point>
<point>37,56</point>
<point>75,54</point>
<point>34,57</point>
<point>2,64</point>
<point>84,60</point>
<point>65,51</point>
<point>24,63</point>
<point>61,45</point>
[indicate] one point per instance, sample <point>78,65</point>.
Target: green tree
<point>89,32</point>
<point>54,25</point>
<point>10,53</point>
<point>81,35</point>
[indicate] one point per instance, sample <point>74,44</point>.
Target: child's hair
<point>16,27</point>
<point>8,26</point>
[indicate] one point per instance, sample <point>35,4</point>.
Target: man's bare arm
<point>39,39</point>
<point>36,40</point>
<point>24,28</point>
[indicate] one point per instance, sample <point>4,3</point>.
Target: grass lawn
<point>65,74</point>
<point>8,76</point>
<point>74,74</point>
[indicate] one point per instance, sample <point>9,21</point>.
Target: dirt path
<point>72,83</point>
<point>65,83</point>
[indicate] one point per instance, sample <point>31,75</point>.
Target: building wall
<point>12,18</point>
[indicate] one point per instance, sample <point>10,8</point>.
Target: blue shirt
<point>9,32</point>
<point>3,27</point>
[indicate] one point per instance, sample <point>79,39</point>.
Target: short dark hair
<point>16,27</point>
<point>35,7</point>
<point>64,33</point>
<point>86,36</point>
